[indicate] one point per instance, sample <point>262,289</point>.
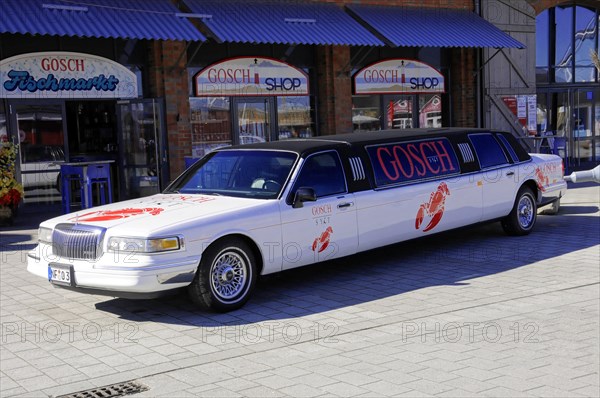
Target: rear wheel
<point>522,217</point>
<point>226,276</point>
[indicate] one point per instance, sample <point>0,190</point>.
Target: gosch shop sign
<point>398,76</point>
<point>65,75</point>
<point>248,76</point>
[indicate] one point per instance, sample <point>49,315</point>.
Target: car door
<point>498,176</point>
<point>323,229</point>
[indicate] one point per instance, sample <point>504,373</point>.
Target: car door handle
<point>344,205</point>
<point>510,174</point>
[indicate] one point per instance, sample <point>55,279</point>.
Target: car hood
<point>156,212</point>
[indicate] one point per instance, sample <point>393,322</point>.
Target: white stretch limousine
<point>267,207</point>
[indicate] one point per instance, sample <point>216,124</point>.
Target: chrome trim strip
<point>33,256</point>
<point>189,261</point>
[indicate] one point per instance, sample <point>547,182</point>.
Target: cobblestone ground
<point>467,313</point>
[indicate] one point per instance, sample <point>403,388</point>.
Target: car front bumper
<point>140,277</point>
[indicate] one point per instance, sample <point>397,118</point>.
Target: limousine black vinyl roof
<point>307,145</point>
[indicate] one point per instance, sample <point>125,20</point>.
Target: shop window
<point>585,43</point>
<point>399,111</point>
<point>366,113</point>
<point>566,36</point>
<point>542,47</point>
<point>541,113</point>
<point>210,118</point>
<point>294,117</point>
<point>430,111</point>
<point>563,42</point>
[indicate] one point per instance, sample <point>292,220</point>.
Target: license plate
<point>60,274</point>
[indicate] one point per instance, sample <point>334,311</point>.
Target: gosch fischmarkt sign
<point>398,76</point>
<point>248,76</point>
<point>65,75</point>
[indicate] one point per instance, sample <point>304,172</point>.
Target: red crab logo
<point>323,240</point>
<point>434,209</point>
<point>109,215</point>
<point>541,179</point>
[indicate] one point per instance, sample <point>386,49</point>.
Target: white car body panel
<point>286,237</point>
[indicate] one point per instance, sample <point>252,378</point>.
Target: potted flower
<point>11,191</point>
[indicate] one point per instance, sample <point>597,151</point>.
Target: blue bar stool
<point>71,177</point>
<point>99,175</point>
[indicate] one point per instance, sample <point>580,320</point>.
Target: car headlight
<point>144,245</point>
<point>45,235</point>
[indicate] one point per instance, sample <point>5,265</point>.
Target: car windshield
<point>242,173</point>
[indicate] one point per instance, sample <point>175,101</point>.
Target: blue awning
<point>431,27</point>
<point>281,22</point>
<point>132,19</point>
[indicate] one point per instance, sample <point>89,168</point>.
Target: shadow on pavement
<point>564,210</point>
<point>448,259</point>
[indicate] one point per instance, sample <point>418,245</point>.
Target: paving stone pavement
<point>467,313</point>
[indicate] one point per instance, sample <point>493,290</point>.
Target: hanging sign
<point>250,76</point>
<point>398,76</point>
<point>65,75</point>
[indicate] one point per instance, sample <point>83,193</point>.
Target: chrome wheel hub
<point>228,275</point>
<point>525,212</point>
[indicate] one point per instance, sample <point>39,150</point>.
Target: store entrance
<point>143,162</point>
<point>570,119</point>
<point>38,131</point>
<point>128,134</point>
<point>253,120</point>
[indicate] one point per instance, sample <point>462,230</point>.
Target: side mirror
<point>303,194</point>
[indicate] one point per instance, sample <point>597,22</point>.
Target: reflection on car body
<point>257,209</point>
<point>40,168</point>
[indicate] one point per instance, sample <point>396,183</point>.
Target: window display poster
<point>532,114</point>
<point>521,106</point>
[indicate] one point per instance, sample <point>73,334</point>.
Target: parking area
<point>467,313</point>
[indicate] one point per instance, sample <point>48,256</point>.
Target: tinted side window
<point>323,172</point>
<point>508,147</point>
<point>488,150</point>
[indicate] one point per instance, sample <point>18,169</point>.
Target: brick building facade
<point>167,69</point>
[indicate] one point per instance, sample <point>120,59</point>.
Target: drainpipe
<point>479,74</point>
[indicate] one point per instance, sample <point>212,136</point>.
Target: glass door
<point>400,111</point>
<point>253,120</point>
<point>38,129</point>
<point>142,148</point>
<point>585,125</point>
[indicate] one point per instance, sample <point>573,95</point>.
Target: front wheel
<point>226,276</point>
<point>522,217</point>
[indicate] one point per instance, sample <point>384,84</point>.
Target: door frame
<point>270,104</point>
<point>571,141</point>
<point>12,125</point>
<point>162,149</point>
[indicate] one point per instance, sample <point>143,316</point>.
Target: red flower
<point>12,198</point>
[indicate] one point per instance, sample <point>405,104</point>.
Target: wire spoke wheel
<point>522,217</point>
<point>525,211</point>
<point>228,275</point>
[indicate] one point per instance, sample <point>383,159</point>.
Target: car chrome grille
<point>77,241</point>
